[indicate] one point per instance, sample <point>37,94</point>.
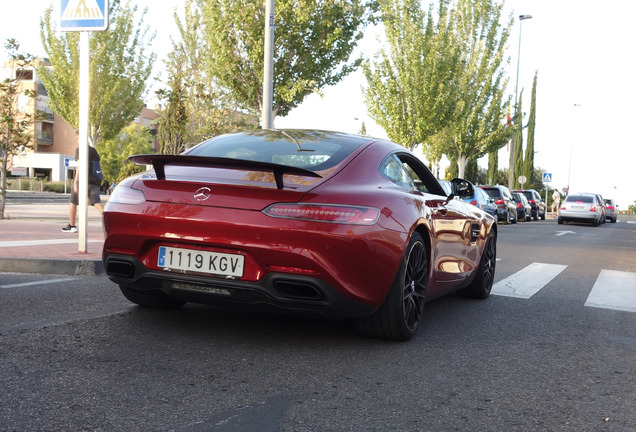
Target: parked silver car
<point>583,207</point>
<point>610,210</point>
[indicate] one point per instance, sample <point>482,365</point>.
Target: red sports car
<point>300,221</point>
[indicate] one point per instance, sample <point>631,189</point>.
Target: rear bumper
<point>578,216</point>
<point>276,292</point>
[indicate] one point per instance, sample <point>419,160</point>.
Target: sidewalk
<point>31,241</point>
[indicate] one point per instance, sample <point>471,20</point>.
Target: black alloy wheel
<point>399,316</point>
<point>481,286</point>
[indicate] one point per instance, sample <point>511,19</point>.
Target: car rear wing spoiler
<point>159,161</point>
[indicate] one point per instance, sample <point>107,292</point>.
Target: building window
<point>24,75</point>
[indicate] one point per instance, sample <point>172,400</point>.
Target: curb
<point>52,266</point>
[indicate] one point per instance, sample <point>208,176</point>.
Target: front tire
<point>399,316</point>
<point>481,286</point>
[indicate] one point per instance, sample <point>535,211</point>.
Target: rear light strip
<point>333,213</point>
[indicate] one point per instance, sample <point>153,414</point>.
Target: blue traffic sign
<point>547,177</point>
<point>83,15</point>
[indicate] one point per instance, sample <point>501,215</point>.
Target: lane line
<point>528,281</point>
<point>40,282</point>
<point>614,290</point>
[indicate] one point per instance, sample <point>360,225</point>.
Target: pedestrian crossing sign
<point>83,15</point>
<point>547,177</point>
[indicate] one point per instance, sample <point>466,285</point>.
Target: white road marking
<point>562,233</point>
<point>528,281</point>
<point>614,290</point>
<point>39,282</point>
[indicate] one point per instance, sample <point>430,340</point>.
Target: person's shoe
<point>69,228</point>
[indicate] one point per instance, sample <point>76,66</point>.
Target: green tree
<point>173,121</point>
<point>196,107</point>
<point>493,163</point>
<point>114,152</point>
<point>478,125</point>
<point>518,131</point>
<point>528,161</point>
<point>313,43</point>
<point>409,85</point>
<point>120,65</point>
<point>16,120</point>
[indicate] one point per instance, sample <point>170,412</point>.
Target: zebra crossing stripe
<point>528,281</point>
<point>614,290</point>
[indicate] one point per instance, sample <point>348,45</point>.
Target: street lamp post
<point>570,164</point>
<point>511,169</point>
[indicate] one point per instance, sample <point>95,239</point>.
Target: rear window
<point>580,198</point>
<point>312,150</point>
<point>493,193</point>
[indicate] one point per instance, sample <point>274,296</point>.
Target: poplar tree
<point>409,88</point>
<point>518,131</point>
<point>120,65</point>
<point>528,161</point>
<point>478,126</point>
<point>313,43</point>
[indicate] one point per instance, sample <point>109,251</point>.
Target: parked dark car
<point>308,222</point>
<point>483,201</point>
<point>536,202</point>
<point>506,205</point>
<point>524,210</point>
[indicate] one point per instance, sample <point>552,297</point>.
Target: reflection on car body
<point>298,221</point>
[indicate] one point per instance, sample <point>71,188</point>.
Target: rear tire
<point>481,286</point>
<point>153,299</point>
<point>399,316</point>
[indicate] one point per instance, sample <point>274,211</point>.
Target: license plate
<point>575,207</point>
<point>222,264</point>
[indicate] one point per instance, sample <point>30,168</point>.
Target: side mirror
<point>462,188</point>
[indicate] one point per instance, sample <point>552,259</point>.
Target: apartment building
<point>54,140</point>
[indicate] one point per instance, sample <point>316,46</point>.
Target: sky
<point>580,49</point>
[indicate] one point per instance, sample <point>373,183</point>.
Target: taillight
<point>519,205</point>
<point>533,202</point>
<point>474,202</point>
<point>333,213</point>
<point>610,207</point>
<point>126,195</point>
<point>500,201</point>
<point>592,208</point>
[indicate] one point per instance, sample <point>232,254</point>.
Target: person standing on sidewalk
<point>93,190</point>
<point>556,200</point>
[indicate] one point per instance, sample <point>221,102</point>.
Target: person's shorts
<point>93,195</point>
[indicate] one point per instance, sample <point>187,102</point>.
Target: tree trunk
<point>462,160</point>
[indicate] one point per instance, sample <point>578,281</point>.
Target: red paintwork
<point>358,261</point>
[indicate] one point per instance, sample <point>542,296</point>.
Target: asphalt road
<point>76,356</point>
